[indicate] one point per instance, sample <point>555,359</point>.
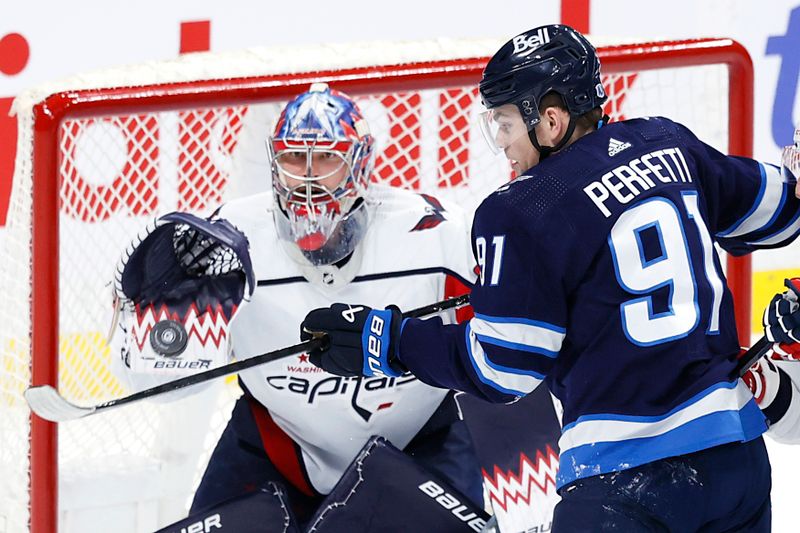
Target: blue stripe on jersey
<point>513,381</point>
<point>766,208</point>
<point>652,419</point>
<point>784,234</point>
<point>516,346</point>
<point>598,444</point>
<point>605,457</point>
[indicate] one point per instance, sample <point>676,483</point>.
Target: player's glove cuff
<point>785,352</point>
<point>771,388</point>
<point>380,341</point>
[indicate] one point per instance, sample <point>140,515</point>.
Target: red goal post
<point>53,198</point>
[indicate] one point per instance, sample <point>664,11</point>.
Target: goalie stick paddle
<point>47,403</point>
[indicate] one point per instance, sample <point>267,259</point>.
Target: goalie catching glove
<point>361,340</point>
<point>177,287</point>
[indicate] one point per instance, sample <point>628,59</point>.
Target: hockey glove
<point>782,322</point>
<point>790,163</point>
<point>771,388</point>
<point>362,340</point>
<point>177,287</point>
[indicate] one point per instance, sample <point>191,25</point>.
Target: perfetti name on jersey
<point>625,182</point>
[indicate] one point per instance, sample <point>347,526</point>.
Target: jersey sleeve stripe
<point>786,234</point>
<point>771,197</point>
<point>507,380</point>
<point>524,321</point>
<point>517,346</point>
<point>519,334</point>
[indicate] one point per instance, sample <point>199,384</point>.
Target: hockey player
<point>598,275</point>
<point>324,233</point>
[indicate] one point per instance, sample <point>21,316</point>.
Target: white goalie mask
<point>321,154</point>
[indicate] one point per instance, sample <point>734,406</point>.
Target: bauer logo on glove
<point>177,288</point>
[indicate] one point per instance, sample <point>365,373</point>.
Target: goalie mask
<point>321,152</point>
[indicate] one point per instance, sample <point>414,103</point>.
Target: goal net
<point>102,154</point>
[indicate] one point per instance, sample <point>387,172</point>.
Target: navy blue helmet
<point>548,58</point>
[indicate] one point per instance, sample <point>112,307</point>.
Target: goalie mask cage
<point>100,155</point>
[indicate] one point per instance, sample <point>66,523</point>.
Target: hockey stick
<point>47,403</point>
<point>756,352</point>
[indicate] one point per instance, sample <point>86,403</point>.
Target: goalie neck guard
<point>321,154</point>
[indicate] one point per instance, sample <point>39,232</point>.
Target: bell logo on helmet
<point>525,45</point>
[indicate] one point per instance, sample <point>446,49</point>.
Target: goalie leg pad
<point>246,514</point>
<point>384,487</point>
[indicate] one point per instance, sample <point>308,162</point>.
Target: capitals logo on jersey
<point>433,216</point>
<point>367,395</point>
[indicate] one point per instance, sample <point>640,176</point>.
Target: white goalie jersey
<point>413,249</point>
<point>415,252</point>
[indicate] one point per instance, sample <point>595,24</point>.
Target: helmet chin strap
<point>545,151</point>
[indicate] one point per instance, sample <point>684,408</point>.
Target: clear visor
<point>502,126</point>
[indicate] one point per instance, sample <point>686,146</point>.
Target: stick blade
<point>47,403</point>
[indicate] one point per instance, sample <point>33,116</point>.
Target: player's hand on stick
<point>763,379</point>
<point>782,322</point>
<point>362,340</point>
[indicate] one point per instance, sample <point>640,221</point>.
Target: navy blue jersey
<point>600,277</point>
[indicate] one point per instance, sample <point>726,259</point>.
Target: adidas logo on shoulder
<point>615,146</point>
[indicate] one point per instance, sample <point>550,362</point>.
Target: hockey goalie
<point>192,292</point>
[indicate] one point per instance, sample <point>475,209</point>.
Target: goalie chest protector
<point>416,250</point>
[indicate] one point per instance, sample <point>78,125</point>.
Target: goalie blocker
<point>177,288</point>
<point>382,489</point>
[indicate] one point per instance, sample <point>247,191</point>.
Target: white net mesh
<point>119,169</point>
